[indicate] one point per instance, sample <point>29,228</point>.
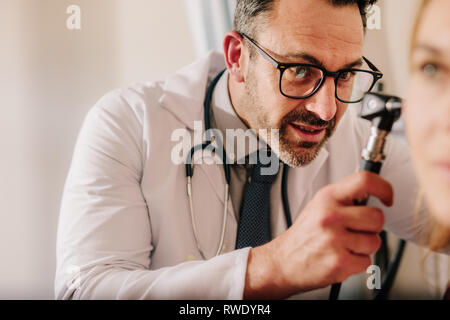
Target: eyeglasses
<point>301,81</point>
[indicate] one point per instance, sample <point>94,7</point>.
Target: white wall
<point>49,78</point>
<point>388,47</point>
<point>210,20</point>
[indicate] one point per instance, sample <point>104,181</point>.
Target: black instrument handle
<point>366,165</point>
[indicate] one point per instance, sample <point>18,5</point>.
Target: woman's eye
<point>430,70</point>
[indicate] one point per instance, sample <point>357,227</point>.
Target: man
<point>125,224</point>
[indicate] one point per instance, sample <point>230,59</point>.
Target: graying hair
<point>251,15</point>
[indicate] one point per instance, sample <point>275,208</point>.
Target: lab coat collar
<point>184,91</point>
<point>183,96</point>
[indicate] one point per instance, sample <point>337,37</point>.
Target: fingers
<point>362,243</point>
<point>362,219</point>
<point>358,228</point>
<point>359,263</point>
<point>350,263</point>
<point>360,185</point>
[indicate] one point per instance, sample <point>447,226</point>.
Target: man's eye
<point>347,75</point>
<point>301,72</point>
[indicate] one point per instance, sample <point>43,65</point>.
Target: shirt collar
<point>225,117</point>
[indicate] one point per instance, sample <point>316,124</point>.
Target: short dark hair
<point>248,10</point>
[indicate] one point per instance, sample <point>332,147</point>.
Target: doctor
<point>125,230</point>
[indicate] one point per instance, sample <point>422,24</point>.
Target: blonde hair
<point>439,236</point>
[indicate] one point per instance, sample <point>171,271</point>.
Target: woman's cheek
<point>416,130</point>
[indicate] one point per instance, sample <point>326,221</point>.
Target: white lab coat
<point>124,227</point>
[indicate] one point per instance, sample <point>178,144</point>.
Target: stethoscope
<point>226,168</point>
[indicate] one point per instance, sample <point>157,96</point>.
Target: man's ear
<point>233,47</point>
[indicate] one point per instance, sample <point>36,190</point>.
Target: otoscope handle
<point>367,165</point>
<point>382,111</point>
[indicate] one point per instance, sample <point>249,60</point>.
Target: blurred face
<point>427,113</point>
<point>312,32</point>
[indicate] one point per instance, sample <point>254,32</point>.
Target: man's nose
<point>323,102</point>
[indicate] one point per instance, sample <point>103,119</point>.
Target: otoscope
<point>382,111</point>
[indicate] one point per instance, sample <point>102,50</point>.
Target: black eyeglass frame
<point>377,74</point>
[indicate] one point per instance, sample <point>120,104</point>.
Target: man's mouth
<point>307,128</point>
<point>307,132</point>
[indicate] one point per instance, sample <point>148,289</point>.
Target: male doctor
<point>125,230</point>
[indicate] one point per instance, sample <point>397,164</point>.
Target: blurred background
<point>53,69</point>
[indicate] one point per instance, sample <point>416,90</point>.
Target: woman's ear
<point>233,47</point>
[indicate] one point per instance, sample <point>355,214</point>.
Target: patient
<point>427,114</point>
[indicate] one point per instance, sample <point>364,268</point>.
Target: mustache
<point>308,117</point>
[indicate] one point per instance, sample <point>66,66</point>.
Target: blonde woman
<point>427,115</point>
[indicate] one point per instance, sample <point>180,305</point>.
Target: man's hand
<point>331,240</point>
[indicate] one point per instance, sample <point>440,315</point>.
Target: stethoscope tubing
<point>226,166</point>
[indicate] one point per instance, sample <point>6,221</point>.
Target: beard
<point>289,149</point>
<point>297,153</point>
